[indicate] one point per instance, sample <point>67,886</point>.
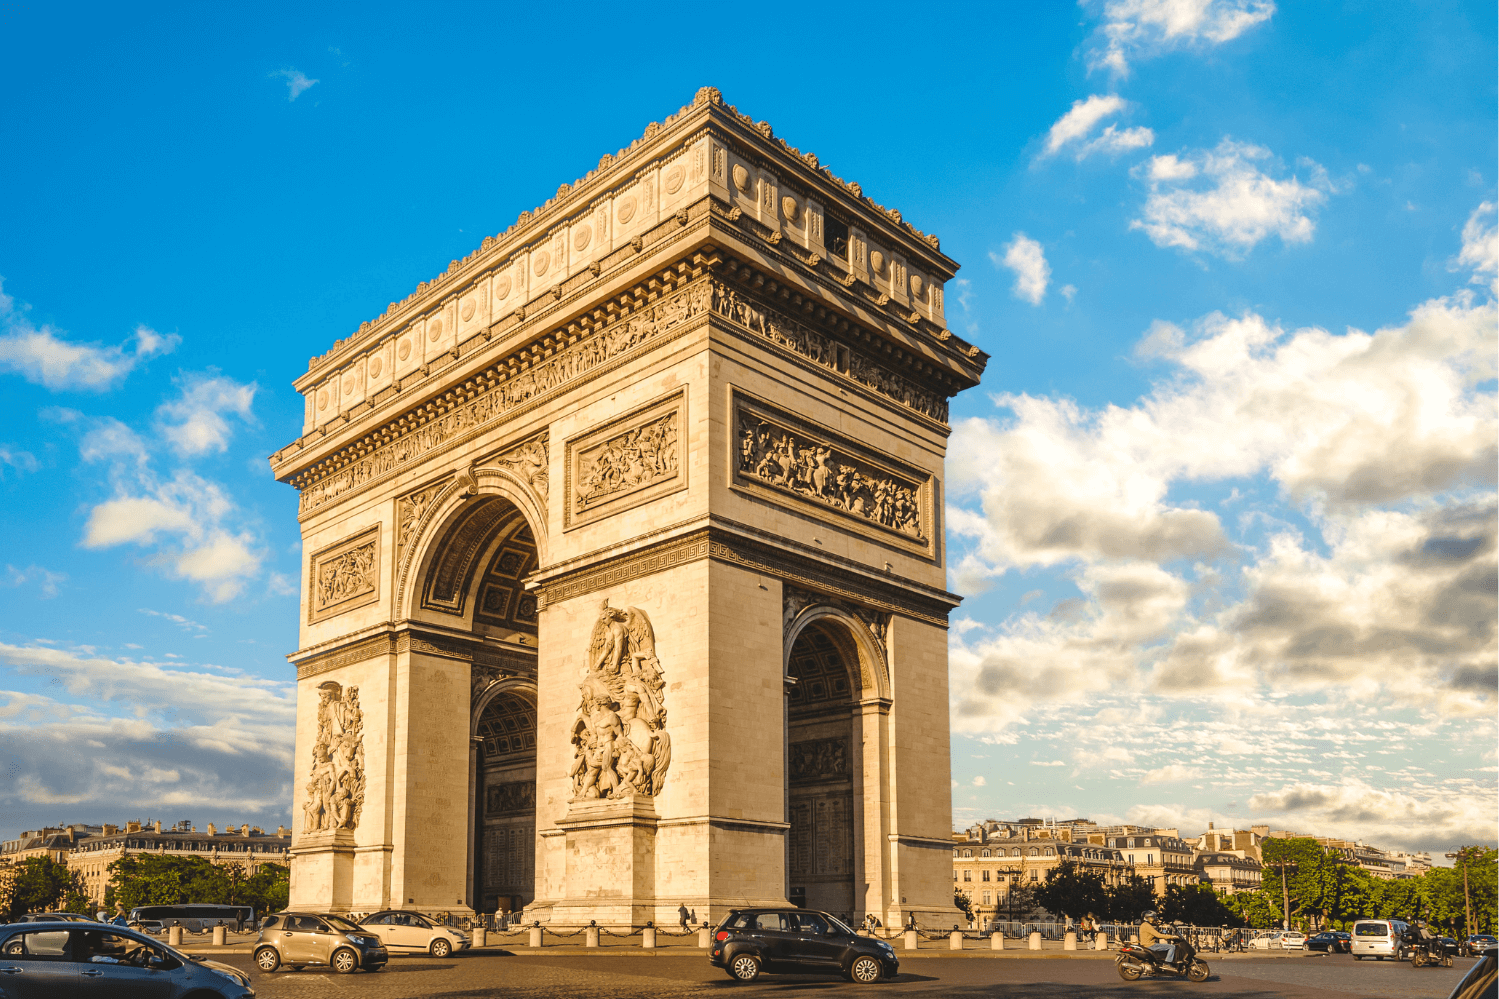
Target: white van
<point>1377,938</point>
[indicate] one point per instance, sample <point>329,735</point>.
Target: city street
<point>666,976</point>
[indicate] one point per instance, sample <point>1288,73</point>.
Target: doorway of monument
<point>471,579</point>
<point>821,747</point>
<point>505,854</point>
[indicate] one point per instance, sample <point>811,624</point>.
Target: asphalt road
<point>673,976</point>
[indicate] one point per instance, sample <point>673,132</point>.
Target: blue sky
<point>1223,510</point>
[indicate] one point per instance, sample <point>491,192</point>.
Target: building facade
<point>1227,872</point>
<point>625,582</point>
<point>245,847</point>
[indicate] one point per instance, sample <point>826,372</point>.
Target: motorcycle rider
<point>1153,939</point>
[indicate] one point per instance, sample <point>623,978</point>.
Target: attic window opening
<point>835,236</point>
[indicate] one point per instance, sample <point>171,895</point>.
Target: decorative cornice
<point>414,638</point>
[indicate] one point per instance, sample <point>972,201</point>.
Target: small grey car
<point>61,960</point>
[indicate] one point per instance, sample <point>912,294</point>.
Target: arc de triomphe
<point>624,579</point>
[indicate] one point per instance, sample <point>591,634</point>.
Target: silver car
<point>404,931</point>
<point>60,960</point>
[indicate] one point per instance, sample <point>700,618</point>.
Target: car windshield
<point>343,925</point>
<point>839,925</point>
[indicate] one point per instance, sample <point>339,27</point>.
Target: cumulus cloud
<point>1072,130</point>
<point>296,82</point>
<point>117,737</point>
<point>1220,200</point>
<point>1142,29</point>
<point>194,423</point>
<point>41,354</point>
<point>1027,259</point>
<point>1480,252</point>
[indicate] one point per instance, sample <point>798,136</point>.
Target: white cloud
<point>1233,206</point>
<point>1142,29</point>
<point>21,461</point>
<point>44,579</point>
<point>117,736</point>
<point>1480,252</point>
<point>194,423</point>
<point>979,782</point>
<point>186,624</point>
<point>1173,773</point>
<point>296,82</point>
<point>1027,259</point>
<point>42,356</point>
<point>1074,127</point>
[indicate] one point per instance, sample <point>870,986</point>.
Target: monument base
<point>610,851</point>
<point>324,871</point>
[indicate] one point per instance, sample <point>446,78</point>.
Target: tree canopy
<point>41,884</point>
<point>153,879</point>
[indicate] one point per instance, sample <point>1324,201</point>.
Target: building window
<point>984,853</point>
<point>836,235</point>
<point>986,898</point>
<point>986,875</point>
<point>967,875</point>
<point>1033,874</point>
<point>955,875</point>
<point>1150,858</point>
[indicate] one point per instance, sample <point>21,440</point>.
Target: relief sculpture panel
<point>629,461</point>
<point>335,792</point>
<point>620,744</point>
<point>783,454</point>
<point>345,575</point>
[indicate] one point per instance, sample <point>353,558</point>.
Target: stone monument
<point>624,582</point>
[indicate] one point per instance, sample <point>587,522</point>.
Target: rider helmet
<point>1150,916</point>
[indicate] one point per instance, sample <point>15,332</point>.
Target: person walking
<point>682,916</point>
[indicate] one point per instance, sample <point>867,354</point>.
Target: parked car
<point>299,939</point>
<point>1331,941</point>
<point>411,932</point>
<point>1478,943</point>
<point>1293,940</point>
<point>1379,939</point>
<point>67,958</point>
<point>1266,941</point>
<point>54,917</point>
<point>152,926</point>
<point>798,941</point>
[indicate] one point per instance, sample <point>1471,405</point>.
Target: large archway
<point>504,858</point>
<point>820,770</point>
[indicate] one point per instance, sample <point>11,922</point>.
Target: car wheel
<point>267,960</point>
<point>744,968</point>
<point>345,961</point>
<point>440,947</point>
<point>865,970</point>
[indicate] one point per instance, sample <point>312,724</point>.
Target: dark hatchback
<point>1332,941</point>
<point>798,941</point>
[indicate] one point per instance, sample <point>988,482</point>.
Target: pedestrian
<point>682,916</point>
<point>1089,926</point>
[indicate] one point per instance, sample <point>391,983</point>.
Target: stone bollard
<point>481,936</point>
<point>1101,942</point>
<point>1035,943</point>
<point>174,935</point>
<point>1069,941</point>
<point>955,939</point>
<point>704,937</point>
<point>910,936</point>
<point>591,935</point>
<point>219,938</point>
<point>648,936</point>
<point>996,940</point>
<point>534,937</point>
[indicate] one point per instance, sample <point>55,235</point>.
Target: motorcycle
<point>1427,950</point>
<point>1135,961</point>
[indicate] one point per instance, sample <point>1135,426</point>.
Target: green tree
<point>1020,901</point>
<point>1283,860</point>
<point>267,890</point>
<point>962,901</point>
<point>1197,905</point>
<point>1129,898</point>
<point>153,879</point>
<point>1072,890</point>
<point>1260,909</point>
<point>41,884</point>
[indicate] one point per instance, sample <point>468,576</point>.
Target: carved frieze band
<point>344,575</point>
<point>816,761</point>
<point>789,456</point>
<point>514,798</point>
<point>628,461</point>
<point>530,382</point>
<point>736,550</point>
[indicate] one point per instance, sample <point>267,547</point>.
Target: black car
<point>1332,941</point>
<point>800,941</point>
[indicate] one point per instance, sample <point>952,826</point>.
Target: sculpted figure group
<point>813,471</point>
<point>634,458</point>
<point>620,744</point>
<point>351,574</point>
<point>335,794</point>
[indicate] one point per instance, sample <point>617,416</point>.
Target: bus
<point>195,918</point>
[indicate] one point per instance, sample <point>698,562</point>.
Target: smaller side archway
<point>502,846</point>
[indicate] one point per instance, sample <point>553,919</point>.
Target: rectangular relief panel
<point>778,457</point>
<point>344,575</point>
<point>626,462</point>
